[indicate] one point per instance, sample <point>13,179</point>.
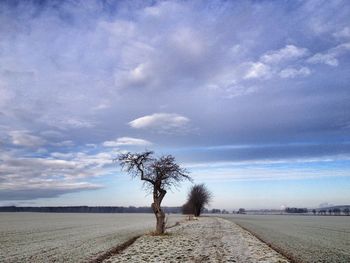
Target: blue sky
<point>251,96</point>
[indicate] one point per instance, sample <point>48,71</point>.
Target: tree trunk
<point>160,215</point>
<point>197,210</point>
<point>160,223</point>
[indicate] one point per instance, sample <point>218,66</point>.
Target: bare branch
<point>136,164</point>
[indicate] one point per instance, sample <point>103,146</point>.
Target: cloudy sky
<point>251,96</point>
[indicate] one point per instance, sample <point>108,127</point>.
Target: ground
<point>208,239</point>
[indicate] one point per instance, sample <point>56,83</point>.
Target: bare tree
<point>322,212</point>
<point>198,197</point>
<point>158,174</point>
<point>336,211</point>
<point>241,211</point>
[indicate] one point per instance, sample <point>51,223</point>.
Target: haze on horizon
<point>251,96</point>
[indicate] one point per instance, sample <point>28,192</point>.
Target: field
<point>303,238</point>
<point>53,237</point>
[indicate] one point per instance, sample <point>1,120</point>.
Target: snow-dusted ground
<point>55,237</point>
<point>208,239</point>
<point>303,238</point>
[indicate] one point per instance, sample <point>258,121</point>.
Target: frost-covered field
<point>54,237</point>
<point>304,238</point>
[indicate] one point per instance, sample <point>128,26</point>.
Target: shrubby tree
<point>346,211</point>
<point>198,197</point>
<point>159,175</point>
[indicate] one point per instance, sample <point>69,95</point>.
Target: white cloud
<point>66,143</point>
<point>51,134</point>
<point>344,33</point>
<point>286,53</point>
<point>188,42</point>
<point>258,70</point>
<point>65,123</point>
<point>23,138</point>
<point>234,91</point>
<point>164,9</point>
<point>118,30</point>
<point>161,121</point>
<point>43,189</point>
<point>269,64</point>
<point>140,75</point>
<point>64,156</point>
<point>126,141</point>
<point>102,106</point>
<point>52,175</point>
<point>293,72</point>
<point>330,57</point>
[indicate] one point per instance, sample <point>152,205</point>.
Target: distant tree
<point>158,174</point>
<point>198,197</point>
<point>241,211</point>
<point>330,211</point>
<point>205,210</point>
<point>346,211</point>
<point>336,211</point>
<point>314,211</point>
<point>322,212</point>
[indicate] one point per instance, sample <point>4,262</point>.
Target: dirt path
<point>208,239</point>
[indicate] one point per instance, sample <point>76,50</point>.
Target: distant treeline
<point>333,211</point>
<point>336,210</point>
<point>87,209</point>
<point>295,210</point>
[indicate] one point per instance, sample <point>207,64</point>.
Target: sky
<point>252,97</point>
